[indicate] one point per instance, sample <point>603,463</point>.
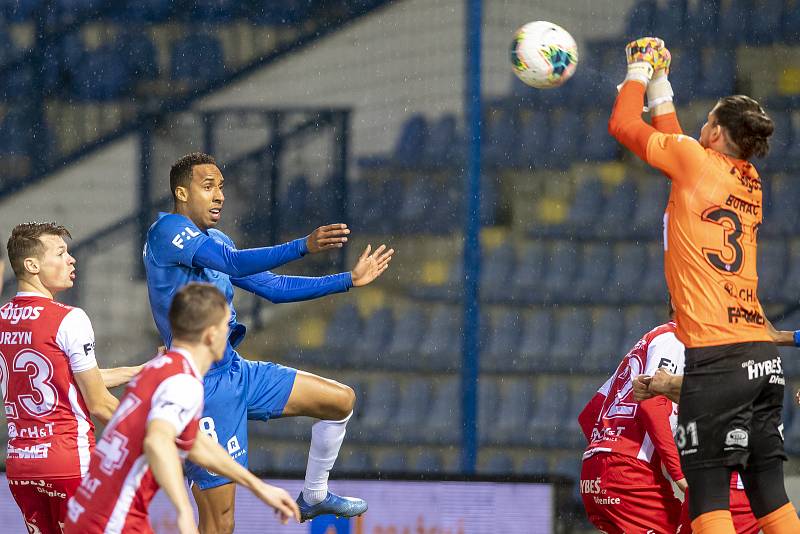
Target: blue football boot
<point>333,504</point>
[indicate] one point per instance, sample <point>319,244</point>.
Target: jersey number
<point>733,236</point>
<point>620,407</point>
<point>43,399</point>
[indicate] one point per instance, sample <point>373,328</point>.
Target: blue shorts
<point>234,393</point>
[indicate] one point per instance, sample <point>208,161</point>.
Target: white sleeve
<point>76,338</point>
<point>177,400</point>
<point>665,351</point>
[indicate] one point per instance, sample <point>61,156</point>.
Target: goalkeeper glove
<point>659,90</point>
<point>645,55</point>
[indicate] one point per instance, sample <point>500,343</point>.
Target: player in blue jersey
<point>182,247</point>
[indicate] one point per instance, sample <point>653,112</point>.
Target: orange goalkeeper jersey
<point>710,230</point>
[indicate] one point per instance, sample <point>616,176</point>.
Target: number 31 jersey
<point>42,344</point>
<point>115,493</point>
<point>710,231</point>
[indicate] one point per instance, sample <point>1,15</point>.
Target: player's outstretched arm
<point>99,401</point>
<point>165,463</point>
<point>207,453</point>
<point>783,338</point>
<point>371,265</point>
<point>118,376</point>
<point>327,237</point>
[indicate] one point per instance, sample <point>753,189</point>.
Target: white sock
<point>326,440</point>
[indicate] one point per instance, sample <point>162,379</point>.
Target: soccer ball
<point>544,55</point>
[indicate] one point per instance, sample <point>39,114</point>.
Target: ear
<point>182,193</point>
<point>31,265</point>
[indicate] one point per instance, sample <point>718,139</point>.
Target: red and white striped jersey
<point>114,495</point>
<point>42,344</point>
<point>641,430</point>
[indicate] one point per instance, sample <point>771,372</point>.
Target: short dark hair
<point>180,175</point>
<point>196,306</point>
<point>25,242</point>
<point>747,123</point>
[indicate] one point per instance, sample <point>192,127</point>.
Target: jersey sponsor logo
<point>591,486</point>
<point>88,347</point>
<point>669,365</point>
<point>607,433</point>
<point>737,313</point>
<point>16,338</point>
<point>606,500</point>
<point>184,236</point>
<point>737,437</point>
<point>15,314</point>
<point>767,367</point>
<point>32,432</point>
<point>751,183</point>
<point>746,295</point>
<point>742,205</point>
<point>38,451</point>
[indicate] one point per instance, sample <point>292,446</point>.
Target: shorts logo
<point>737,438</point>
<point>768,367</point>
<point>591,485</point>
<point>233,445</point>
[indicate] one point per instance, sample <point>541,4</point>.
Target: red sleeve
<point>626,123</point>
<point>655,414</point>
<point>667,123</point>
<point>590,413</point>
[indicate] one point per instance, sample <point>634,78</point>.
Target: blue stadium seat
<point>638,321</point>
<point>497,463</point>
<point>292,459</point>
<point>763,27</point>
<point>734,21</point>
<point>408,331</point>
<point>591,284</point>
<point>581,395</point>
<point>619,210</point>
<point>16,84</point>
<point>295,202</point>
<point>772,265</point>
<point>417,203</point>
<point>496,271</point>
<point>783,215</point>
<point>561,271</point>
<point>213,11</point>
<point>526,281</point>
<point>641,20</point>
<point>566,136</point>
<point>354,461</point>
<point>197,59</point>
<point>570,467</point>
<point>653,286</point>
<point>415,399</point>
<point>412,141</point>
<point>537,464</point>
<point>780,143</point>
<point>584,211</point>
<point>603,347</point>
<point>513,412</point>
<point>534,130</point>
<point>7,48</point>
<point>550,413</point>
<point>651,202</point>
<point>791,286</point>
<point>572,331</point>
<point>445,145</point>
<point>790,25</point>
<point>671,20</point>
<point>502,350</point>
<point>393,461</point>
<point>600,146</point>
<point>630,264</point>
<point>345,326</point>
<point>379,406</point>
<point>427,461</point>
<point>687,57</point>
<point>488,403</point>
<point>270,13</point>
<point>144,11</point>
<point>261,460</point>
<point>534,348</point>
<point>702,22</point>
<point>375,337</point>
<point>140,54</point>
<point>443,419</point>
<point>440,347</point>
<point>718,72</point>
<point>499,137</point>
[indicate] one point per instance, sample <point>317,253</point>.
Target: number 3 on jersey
<point>732,224</point>
<point>43,398</point>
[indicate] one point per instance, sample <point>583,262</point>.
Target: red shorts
<point>744,521</point>
<point>624,495</point>
<point>43,502</point>
<point>88,522</point>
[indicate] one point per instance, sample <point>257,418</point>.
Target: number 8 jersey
<point>710,231</point>
<point>42,343</point>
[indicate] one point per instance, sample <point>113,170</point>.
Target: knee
<point>345,401</point>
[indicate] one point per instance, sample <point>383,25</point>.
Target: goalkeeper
<point>732,394</point>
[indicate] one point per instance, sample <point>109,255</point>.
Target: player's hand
<point>186,524</point>
<point>646,55</point>
<point>327,237</point>
<point>641,388</point>
<point>660,383</point>
<point>682,485</point>
<point>371,266</point>
<point>280,501</point>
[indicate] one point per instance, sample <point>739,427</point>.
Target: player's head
<point>199,315</point>
<point>196,184</point>
<point>38,255</point>
<point>738,126</point>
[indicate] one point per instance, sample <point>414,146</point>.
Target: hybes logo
<point>15,314</point>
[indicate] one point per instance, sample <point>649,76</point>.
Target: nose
<point>71,259</point>
<point>220,196</point>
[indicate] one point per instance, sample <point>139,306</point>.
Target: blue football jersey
<point>171,244</point>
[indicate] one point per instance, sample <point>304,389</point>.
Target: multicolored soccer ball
<point>543,55</point>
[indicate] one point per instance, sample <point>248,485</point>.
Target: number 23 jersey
<point>710,230</point>
<point>42,344</point>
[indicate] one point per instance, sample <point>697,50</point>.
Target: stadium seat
<point>488,403</point>
<point>767,19</point>
<point>295,203</point>
<point>791,285</point>
<point>443,419</point>
<point>790,25</point>
<point>444,146</point>
<point>534,348</point>
<point>600,146</point>
<point>440,348</point>
<point>641,20</point>
<point>419,201</point>
<point>292,459</point>
<point>653,286</point>
<point>513,412</point>
<point>144,11</point>
<point>270,13</point>
<point>630,264</point>
<point>427,462</point>
<point>536,464</point>
<point>702,22</point>
<point>603,348</point>
<point>497,463</point>
<point>734,21</point>
<point>772,265</point>
<point>213,11</point>
<point>638,321</point>
<point>379,406</point>
<point>566,136</point>
<point>618,212</point>
<point>353,462</point>
<point>412,141</point>
<point>718,71</point>
<point>408,331</point>
<point>393,461</point>
<point>561,271</point>
<point>345,326</point>
<point>499,137</point>
<point>572,331</point>
<point>550,414</point>
<point>534,130</point>
<point>261,459</point>
<point>570,467</point>
<point>502,350</point>
<point>670,20</point>
<point>415,399</point>
<point>375,337</point>
<point>584,211</point>
<point>780,143</point>
<point>197,59</point>
<point>650,205</point>
<point>526,281</point>
<point>783,215</point>
<point>591,284</point>
<point>496,271</point>
<point>141,55</point>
